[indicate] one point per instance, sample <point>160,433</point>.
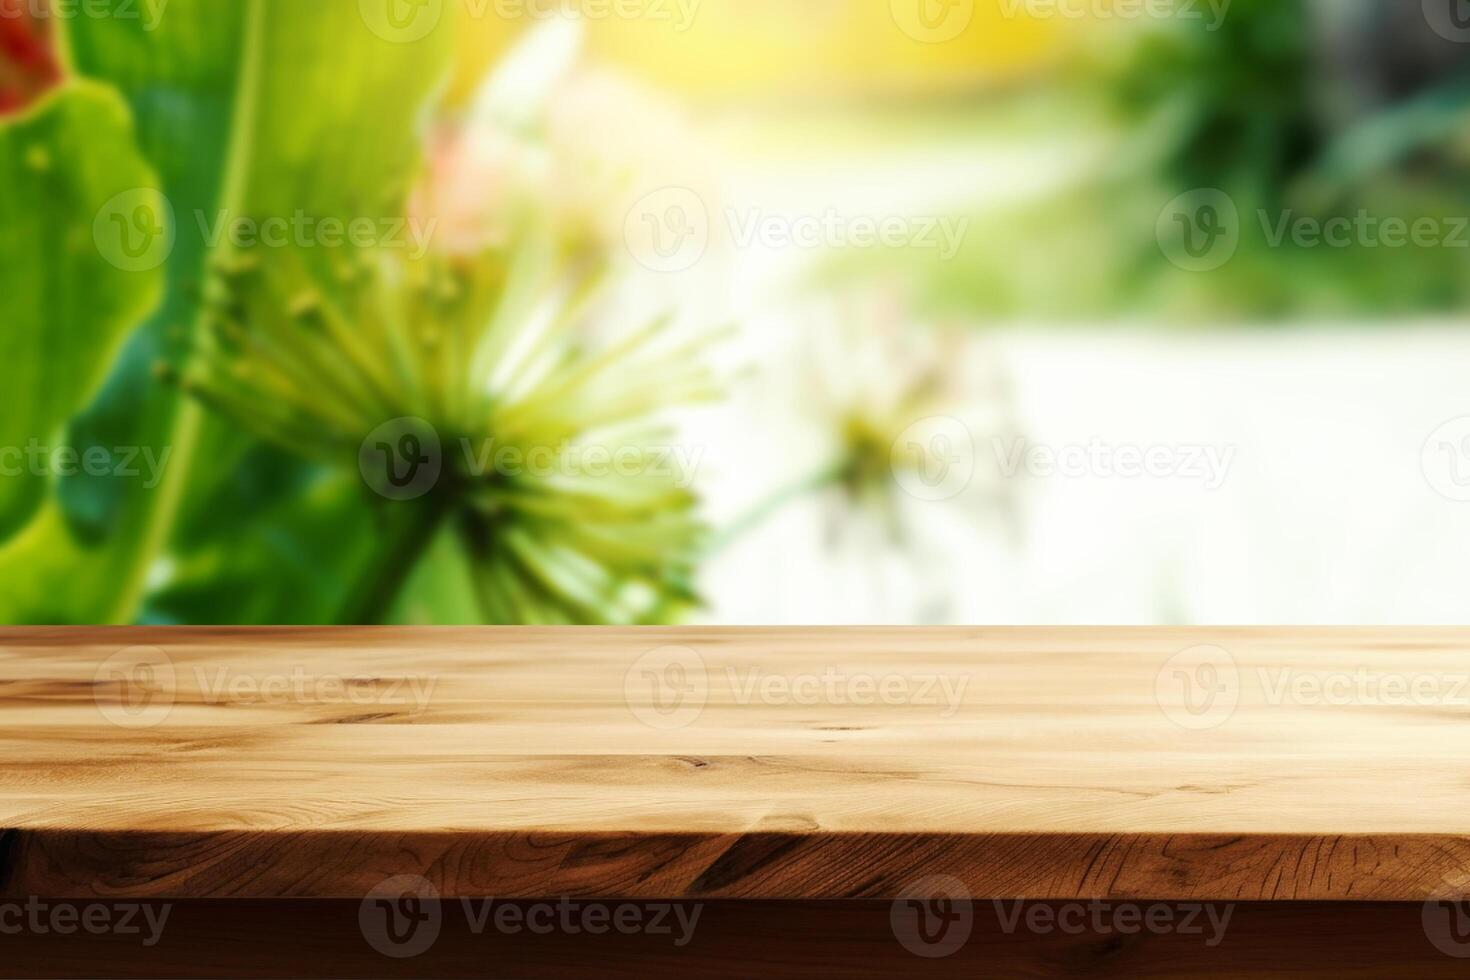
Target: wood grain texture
<point>799,764</point>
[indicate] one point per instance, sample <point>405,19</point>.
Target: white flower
<point>878,479</point>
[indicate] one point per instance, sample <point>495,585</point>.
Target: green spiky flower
<point>491,357</point>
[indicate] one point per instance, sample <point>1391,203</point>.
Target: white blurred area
<point>1331,510</point>
<point>1326,515</point>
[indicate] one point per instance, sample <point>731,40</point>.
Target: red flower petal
<point>28,63</point>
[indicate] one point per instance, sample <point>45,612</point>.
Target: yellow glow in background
<point>788,49</point>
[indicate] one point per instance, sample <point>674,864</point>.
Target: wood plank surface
<point>1175,764</point>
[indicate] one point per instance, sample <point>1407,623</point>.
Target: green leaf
<point>69,169</point>
<point>247,109</point>
<point>283,559</point>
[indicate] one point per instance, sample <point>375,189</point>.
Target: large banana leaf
<point>293,552</point>
<point>246,108</point>
<point>67,168</point>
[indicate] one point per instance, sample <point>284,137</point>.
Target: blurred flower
<point>612,142</point>
<point>884,389</point>
<point>491,160</point>
<point>474,175</point>
<point>582,143</point>
<point>479,348</point>
<point>886,495</point>
<point>28,64</point>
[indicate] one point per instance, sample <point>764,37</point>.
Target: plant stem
<point>767,508</point>
<point>162,514</point>
<point>411,528</point>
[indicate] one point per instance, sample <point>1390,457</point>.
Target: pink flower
<point>473,177</point>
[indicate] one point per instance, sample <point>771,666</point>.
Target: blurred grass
<point>1251,109</point>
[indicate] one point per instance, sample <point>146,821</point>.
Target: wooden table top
<point>1169,764</point>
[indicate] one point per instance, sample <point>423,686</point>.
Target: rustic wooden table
<point>712,802</point>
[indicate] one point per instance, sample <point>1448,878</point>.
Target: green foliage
<point>1241,109</point>
<point>265,368</point>
<point>67,306</point>
<point>490,360</point>
<point>247,108</point>
<point>1228,108</point>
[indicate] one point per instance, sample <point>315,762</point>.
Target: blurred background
<point>735,311</point>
